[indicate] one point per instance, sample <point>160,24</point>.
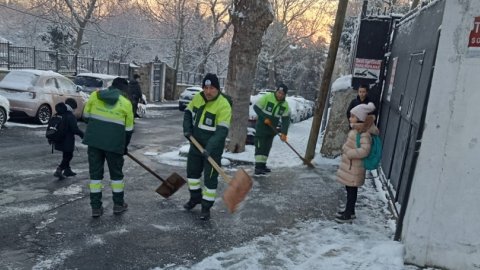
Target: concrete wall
<point>337,126</point>
<point>442,221</point>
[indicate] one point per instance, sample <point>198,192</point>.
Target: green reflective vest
<point>269,107</point>
<point>208,122</point>
<point>110,118</point>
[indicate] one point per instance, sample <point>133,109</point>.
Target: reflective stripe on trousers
<point>117,185</point>
<point>95,186</point>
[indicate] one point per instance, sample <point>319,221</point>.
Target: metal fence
<point>194,78</point>
<point>16,57</point>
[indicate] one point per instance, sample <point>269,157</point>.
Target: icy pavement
<point>314,244</point>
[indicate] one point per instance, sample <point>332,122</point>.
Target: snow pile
<point>342,83</point>
<point>312,245</point>
<point>315,244</point>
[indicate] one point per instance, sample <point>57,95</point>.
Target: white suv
<point>187,95</point>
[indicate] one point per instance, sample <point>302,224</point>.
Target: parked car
<point>4,110</point>
<point>94,81</point>
<point>34,93</point>
<point>187,95</point>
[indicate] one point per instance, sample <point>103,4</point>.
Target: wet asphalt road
<point>46,223</point>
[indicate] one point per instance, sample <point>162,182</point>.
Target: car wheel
<point>43,114</point>
<point>3,117</point>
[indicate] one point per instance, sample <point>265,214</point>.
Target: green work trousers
<point>96,161</point>
<point>197,163</point>
<point>263,144</point>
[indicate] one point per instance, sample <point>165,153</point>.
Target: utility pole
<point>326,79</point>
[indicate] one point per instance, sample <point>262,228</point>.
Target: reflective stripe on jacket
<point>108,123</point>
<point>208,121</point>
<point>269,107</point>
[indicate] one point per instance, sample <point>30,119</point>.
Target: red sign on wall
<point>474,38</point>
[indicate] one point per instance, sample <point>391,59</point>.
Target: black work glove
<point>205,153</point>
<point>125,151</point>
<point>187,134</point>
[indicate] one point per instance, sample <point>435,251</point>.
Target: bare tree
<point>81,13</point>
<point>76,14</point>
<point>250,20</point>
<point>219,21</point>
<point>295,21</point>
<point>173,16</point>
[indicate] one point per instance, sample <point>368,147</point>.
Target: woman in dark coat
<point>68,144</point>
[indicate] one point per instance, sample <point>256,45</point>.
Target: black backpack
<point>55,129</point>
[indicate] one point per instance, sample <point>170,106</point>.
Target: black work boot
<point>97,212</point>
<point>339,214</point>
<point>68,172</point>
<point>205,214</point>
<point>118,209</point>
<point>96,204</point>
<point>344,218</point>
<point>195,198</point>
<point>260,171</point>
<point>58,173</point>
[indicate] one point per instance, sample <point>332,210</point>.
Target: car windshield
<point>193,90</point>
<point>21,78</point>
<point>88,81</point>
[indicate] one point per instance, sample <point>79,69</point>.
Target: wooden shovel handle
<point>305,161</point>
<point>210,159</point>
<point>145,167</point>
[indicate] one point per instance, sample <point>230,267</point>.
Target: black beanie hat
<point>211,79</point>
<point>120,83</point>
<point>282,87</point>
<point>71,102</point>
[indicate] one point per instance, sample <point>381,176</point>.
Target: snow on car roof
<point>38,72</point>
<point>98,75</point>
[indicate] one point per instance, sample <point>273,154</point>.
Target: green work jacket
<point>269,107</point>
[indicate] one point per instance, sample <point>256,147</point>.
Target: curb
<point>163,107</point>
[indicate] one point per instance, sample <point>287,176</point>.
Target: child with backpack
<point>351,172</point>
<point>66,129</point>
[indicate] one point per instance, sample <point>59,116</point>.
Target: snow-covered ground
<point>315,244</point>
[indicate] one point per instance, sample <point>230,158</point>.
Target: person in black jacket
<point>134,93</point>
<point>68,144</point>
<point>362,98</point>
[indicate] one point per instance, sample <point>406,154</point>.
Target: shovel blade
<point>173,183</point>
<point>237,190</point>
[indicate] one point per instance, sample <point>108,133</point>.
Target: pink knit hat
<point>361,111</point>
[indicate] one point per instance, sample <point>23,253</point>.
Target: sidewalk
<point>311,197</point>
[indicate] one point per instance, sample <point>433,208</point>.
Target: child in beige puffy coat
<point>351,172</point>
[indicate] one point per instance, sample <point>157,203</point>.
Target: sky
<point>315,244</point>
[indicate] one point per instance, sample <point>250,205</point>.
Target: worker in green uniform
<point>271,109</point>
<point>207,118</point>
<point>109,119</point>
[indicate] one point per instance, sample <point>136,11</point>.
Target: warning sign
<point>474,39</point>
<point>367,68</point>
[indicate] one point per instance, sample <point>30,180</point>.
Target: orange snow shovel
<point>238,187</point>
<point>305,161</point>
<point>173,183</point>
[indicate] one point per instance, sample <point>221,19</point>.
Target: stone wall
<point>337,126</point>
